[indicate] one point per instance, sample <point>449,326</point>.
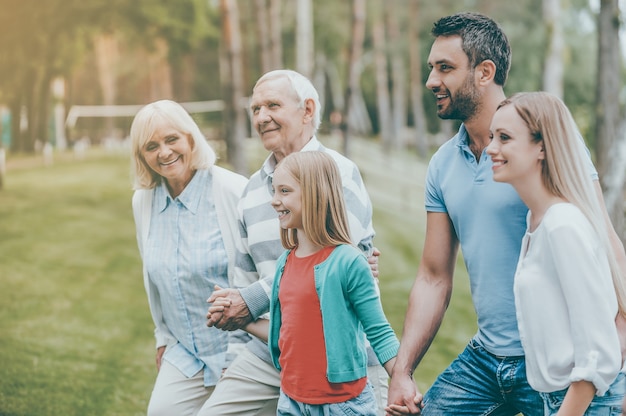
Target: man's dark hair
<point>481,39</point>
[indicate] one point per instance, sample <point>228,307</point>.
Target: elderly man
<point>286,114</point>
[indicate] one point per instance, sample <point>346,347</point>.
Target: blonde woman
<point>185,211</point>
<point>568,288</point>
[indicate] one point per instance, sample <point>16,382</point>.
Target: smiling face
<point>282,123</point>
<point>168,153</point>
<point>287,200</point>
<point>452,80</point>
<point>516,157</point>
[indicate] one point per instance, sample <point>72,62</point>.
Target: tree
<point>383,102</point>
<point>553,64</point>
<point>107,59</point>
<point>46,40</point>
<point>610,145</point>
<point>354,70</point>
<point>231,74</point>
<point>276,43</point>
<point>398,76</point>
<point>415,71</point>
<point>304,37</point>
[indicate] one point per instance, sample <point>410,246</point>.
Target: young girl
<point>324,298</point>
<point>568,289</point>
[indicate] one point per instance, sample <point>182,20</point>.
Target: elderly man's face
<point>278,117</point>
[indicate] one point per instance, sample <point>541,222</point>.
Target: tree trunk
<point>107,58</point>
<point>43,108</point>
<point>383,102</point>
<point>263,37</point>
<point>276,34</point>
<point>609,141</point>
<point>356,51</point>
<point>415,71</point>
<point>553,64</point>
<point>319,79</point>
<point>304,37</point>
<point>398,77</point>
<point>231,73</point>
<point>29,121</point>
<point>15,107</point>
<point>160,72</point>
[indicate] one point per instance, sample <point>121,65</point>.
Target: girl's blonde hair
<point>145,124</point>
<point>564,168</point>
<point>324,217</point>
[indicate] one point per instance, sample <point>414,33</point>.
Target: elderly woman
<point>186,220</point>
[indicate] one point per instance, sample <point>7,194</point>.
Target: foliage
<point>41,40</point>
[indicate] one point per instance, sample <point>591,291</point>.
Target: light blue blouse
<point>185,258</point>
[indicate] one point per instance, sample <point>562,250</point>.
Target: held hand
<point>231,312</point>
<point>404,397</point>
<point>373,261</point>
<point>159,357</point>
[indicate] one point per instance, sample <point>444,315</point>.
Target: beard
<point>463,104</point>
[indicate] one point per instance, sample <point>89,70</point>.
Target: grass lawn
<point>75,331</point>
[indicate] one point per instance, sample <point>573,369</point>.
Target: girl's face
<point>515,156</point>
<point>287,200</point>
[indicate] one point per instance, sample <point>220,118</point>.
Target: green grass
<point>75,331</point>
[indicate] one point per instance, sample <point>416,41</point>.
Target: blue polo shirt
<point>489,219</point>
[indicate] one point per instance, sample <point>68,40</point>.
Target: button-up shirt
<point>185,258</point>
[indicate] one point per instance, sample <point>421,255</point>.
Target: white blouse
<point>566,304</point>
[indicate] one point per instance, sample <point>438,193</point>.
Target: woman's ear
<point>542,151</point>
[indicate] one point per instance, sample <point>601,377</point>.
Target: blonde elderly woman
<point>186,220</point>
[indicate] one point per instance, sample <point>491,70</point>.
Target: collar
<point>189,198</point>
<point>462,142</point>
<point>267,170</point>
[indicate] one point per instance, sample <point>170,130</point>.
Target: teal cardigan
<point>351,310</point>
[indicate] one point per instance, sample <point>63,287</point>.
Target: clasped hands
<point>228,311</point>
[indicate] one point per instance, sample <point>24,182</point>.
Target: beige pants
<point>251,387</point>
<point>175,394</point>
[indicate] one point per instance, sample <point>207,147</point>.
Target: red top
<point>301,340</point>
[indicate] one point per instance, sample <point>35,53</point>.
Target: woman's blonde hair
<point>324,217</point>
<point>564,168</point>
<point>145,124</point>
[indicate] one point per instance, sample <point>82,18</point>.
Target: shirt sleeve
<point>591,302</point>
<point>363,295</point>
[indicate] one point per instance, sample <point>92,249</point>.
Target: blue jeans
<point>608,405</point>
<point>363,405</point>
<point>480,383</point>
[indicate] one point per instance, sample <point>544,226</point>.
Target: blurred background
<point>75,332</point>
<point>74,72</point>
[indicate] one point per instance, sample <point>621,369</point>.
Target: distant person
<point>285,110</point>
<point>469,61</point>
<point>568,286</point>
<point>185,210</point>
<point>324,298</point>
